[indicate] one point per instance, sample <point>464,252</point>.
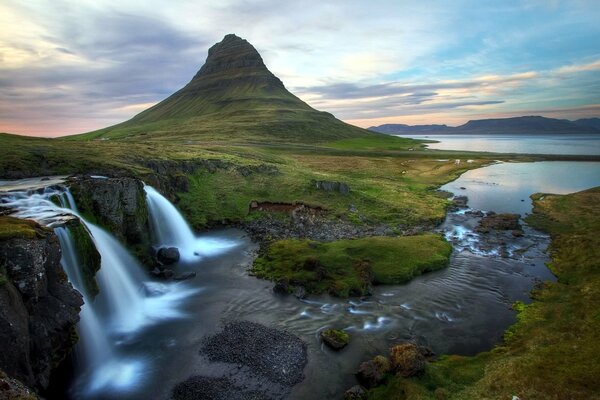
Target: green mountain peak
<point>233,97</point>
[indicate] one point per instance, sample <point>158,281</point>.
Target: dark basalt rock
<point>356,393</point>
<point>118,204</point>
<point>167,255</point>
<point>38,309</point>
<point>275,355</point>
<point>281,287</point>
<point>210,388</point>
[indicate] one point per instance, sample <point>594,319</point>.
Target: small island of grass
<point>349,267</point>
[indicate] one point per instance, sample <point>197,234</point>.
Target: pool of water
<point>506,187</point>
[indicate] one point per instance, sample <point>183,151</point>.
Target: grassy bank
<point>348,267</point>
<point>551,353</point>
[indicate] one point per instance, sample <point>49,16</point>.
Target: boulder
<point>335,338</point>
<point>500,222</point>
<point>372,373</point>
<point>407,360</point>
<point>281,287</point>
<point>299,292</point>
<point>460,201</point>
<point>167,255</point>
<point>356,393</point>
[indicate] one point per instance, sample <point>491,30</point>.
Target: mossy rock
<point>335,338</point>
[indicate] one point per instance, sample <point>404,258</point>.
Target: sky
<point>69,67</point>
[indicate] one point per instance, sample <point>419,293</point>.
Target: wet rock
<point>210,388</point>
<point>299,292</point>
<point>275,355</point>
<point>167,255</point>
<point>335,338</point>
<point>38,309</point>
<point>12,389</point>
<point>118,204</point>
<point>503,222</point>
<point>427,352</point>
<point>281,287</point>
<point>332,186</point>
<point>167,273</point>
<point>460,201</point>
<point>356,393</point>
<point>407,360</point>
<point>517,233</point>
<point>372,373</point>
<point>184,276</point>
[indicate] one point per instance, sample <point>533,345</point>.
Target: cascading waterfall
<point>126,302</point>
<point>169,228</point>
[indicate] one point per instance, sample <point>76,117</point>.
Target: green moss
<point>348,267</point>
<point>16,228</point>
<point>88,256</point>
<point>339,335</point>
<point>551,352</point>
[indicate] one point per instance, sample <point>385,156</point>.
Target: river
<point>463,309</point>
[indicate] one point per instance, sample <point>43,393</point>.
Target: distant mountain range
<point>515,125</point>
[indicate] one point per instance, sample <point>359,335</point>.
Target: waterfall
<point>126,303</point>
<point>169,228</point>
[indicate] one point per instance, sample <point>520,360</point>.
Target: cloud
<point>570,69</point>
<point>68,67</point>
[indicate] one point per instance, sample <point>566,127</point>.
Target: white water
<point>127,302</point>
<point>169,228</point>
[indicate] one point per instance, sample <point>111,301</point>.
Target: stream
<point>138,342</point>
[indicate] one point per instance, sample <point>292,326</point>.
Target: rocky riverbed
<point>250,361</point>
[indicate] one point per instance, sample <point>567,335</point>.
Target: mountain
<point>522,125</point>
<point>396,129</point>
<point>232,97</point>
<point>515,125</point>
<point>589,122</point>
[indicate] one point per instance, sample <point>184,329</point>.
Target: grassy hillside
<point>551,353</point>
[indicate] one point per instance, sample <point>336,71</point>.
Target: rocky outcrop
<point>118,204</point>
<point>170,177</point>
<point>500,222</point>
<point>332,186</point>
<point>38,308</point>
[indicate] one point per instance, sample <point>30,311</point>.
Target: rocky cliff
<point>117,204</point>
<point>38,306</point>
